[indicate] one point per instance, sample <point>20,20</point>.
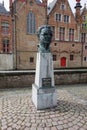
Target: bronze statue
<point>45,37</point>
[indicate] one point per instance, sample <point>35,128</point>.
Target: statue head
<point>45,37</point>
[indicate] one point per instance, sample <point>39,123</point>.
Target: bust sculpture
<point>45,37</point>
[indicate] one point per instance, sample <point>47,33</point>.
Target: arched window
<point>5,27</point>
<point>31,23</point>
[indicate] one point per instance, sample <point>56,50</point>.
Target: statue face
<point>45,35</point>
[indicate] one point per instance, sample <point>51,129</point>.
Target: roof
<point>38,1</point>
<point>51,6</point>
<point>3,10</point>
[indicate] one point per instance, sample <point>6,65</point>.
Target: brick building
<point>84,35</point>
<point>6,54</point>
<point>66,47</point>
<point>27,17</point>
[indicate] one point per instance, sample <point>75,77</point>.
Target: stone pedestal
<point>44,94</point>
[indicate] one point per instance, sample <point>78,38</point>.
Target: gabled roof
<point>3,10</point>
<point>51,6</point>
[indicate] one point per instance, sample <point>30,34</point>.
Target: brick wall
<point>26,79</point>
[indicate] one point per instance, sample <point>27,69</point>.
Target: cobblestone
<point>17,112</point>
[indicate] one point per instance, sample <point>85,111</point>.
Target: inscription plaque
<point>46,82</point>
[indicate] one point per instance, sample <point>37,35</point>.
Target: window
<point>86,47</point>
<point>85,59</point>
<point>55,44</point>
<point>58,17</point>
<point>5,27</point>
<point>5,45</point>
<point>84,26</point>
<point>31,23</point>
<point>62,34</point>
<point>71,57</point>
<point>71,34</point>
<point>73,45</point>
<point>31,59</point>
<point>83,37</point>
<point>54,57</point>
<point>66,18</point>
<point>63,6</point>
<point>31,3</point>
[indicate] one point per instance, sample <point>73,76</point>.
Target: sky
<point>72,3</point>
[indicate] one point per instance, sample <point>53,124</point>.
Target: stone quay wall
<point>20,79</point>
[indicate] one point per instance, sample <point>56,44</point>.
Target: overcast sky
<point>72,3</point>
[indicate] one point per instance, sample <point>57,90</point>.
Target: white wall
<point>6,61</point>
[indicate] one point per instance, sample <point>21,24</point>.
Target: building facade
<point>83,31</point>
<point>68,48</point>
<point>66,44</point>
<point>27,17</point>
<point>6,54</point>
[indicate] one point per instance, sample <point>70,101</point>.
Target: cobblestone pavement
<point>17,111</point>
